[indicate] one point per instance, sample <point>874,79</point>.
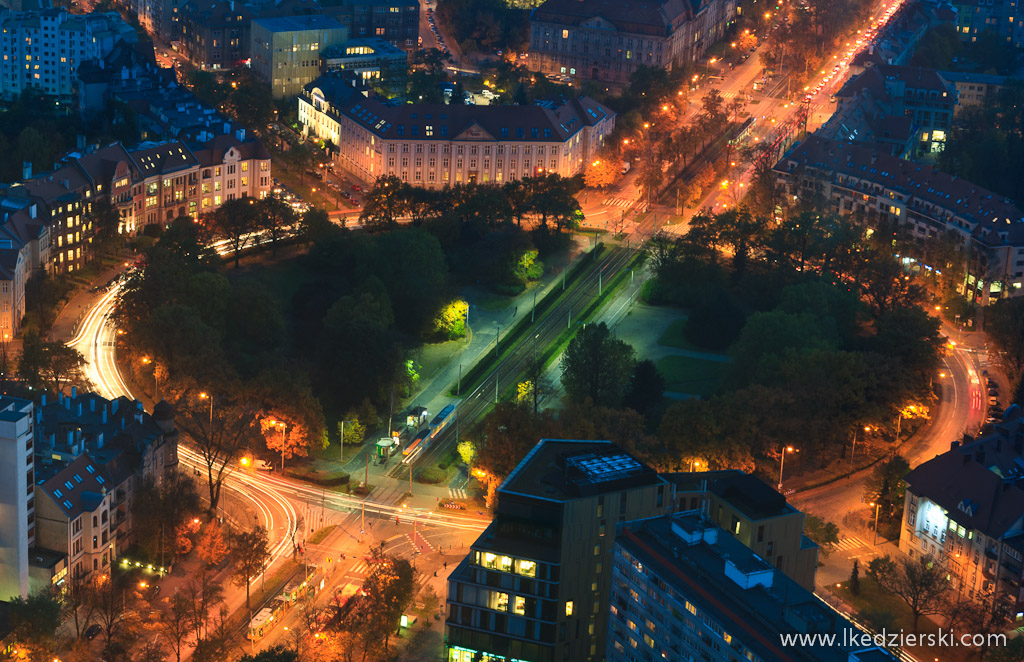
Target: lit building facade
<point>286,51</point>
<point>434,145</point>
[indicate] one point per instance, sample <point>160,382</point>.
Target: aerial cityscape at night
<point>512,330</point>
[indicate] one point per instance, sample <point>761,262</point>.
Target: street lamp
<point>877,507</point>
<point>782,464</point>
<point>156,377</point>
<point>206,396</point>
<point>694,464</point>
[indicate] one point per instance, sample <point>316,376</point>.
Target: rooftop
<point>563,470</point>
<point>650,17</point>
<point>734,586</point>
<point>298,23</point>
<point>993,219</point>
<point>979,483</point>
<point>747,493</point>
<point>547,121</point>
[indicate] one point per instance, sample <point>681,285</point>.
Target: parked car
<point>357,187</point>
<point>91,631</point>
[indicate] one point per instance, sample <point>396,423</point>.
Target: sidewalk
<point>66,324</point>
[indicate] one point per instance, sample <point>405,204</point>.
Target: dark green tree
<point>250,553</point>
<point>855,578</point>
<point>597,365</point>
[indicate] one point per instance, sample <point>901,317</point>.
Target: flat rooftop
<point>567,469</point>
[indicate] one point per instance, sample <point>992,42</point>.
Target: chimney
<point>42,400</point>
<point>60,397</point>
<point>954,444</point>
<point>74,391</point>
<point>92,404</point>
<point>71,438</point>
<point>26,170</point>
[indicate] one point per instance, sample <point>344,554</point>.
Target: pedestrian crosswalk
<point>617,202</point>
<point>457,493</point>
<point>846,544</point>
<point>358,569</point>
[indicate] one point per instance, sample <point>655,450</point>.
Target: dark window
<point>760,533</point>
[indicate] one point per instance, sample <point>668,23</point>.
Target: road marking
<point>457,493</point>
<point>846,544</point>
<point>617,202</point>
<point>358,569</point>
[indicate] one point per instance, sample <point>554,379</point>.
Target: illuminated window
<point>520,605</point>
<point>690,608</point>
<point>506,564</point>
<point>526,568</point>
<point>568,607</point>
<point>499,601</point>
<point>565,34</point>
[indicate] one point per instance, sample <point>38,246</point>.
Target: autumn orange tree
<point>212,546</point>
<point>282,435</point>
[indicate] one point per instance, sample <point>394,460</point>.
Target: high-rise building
<point>286,51</point>
<point>684,590</point>
<point>43,49</point>
<point>755,514</point>
<point>17,496</point>
<point>535,583</point>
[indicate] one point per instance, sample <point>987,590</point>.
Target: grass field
<point>675,336</point>
<point>685,374</point>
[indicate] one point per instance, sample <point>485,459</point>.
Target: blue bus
<point>418,443</point>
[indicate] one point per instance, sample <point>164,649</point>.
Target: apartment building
<point>1003,17</point>
<point>17,496</point>
<point>395,21</point>
<point>435,145</point>
<point>682,589</point>
<point>965,508</point>
<point>755,514</point>
<point>44,48</point>
<point>873,185</point>
<point>159,17</point>
<point>286,51</point>
<point>607,40</point>
<point>898,105</point>
<point>91,455</point>
<point>215,34</point>
<point>973,89</point>
<point>535,584</point>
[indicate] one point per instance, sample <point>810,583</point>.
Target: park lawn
<point>675,336</point>
<point>685,374</point>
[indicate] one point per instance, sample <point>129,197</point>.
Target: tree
<point>1013,651</point>
<point>286,437</point>
<point>1004,323</point>
<point>76,605</point>
<point>855,578</point>
<point>602,172</point>
<point>886,488</point>
<point>388,590</point>
<point>919,581</point>
<point>467,452</point>
<point>646,387</point>
<point>274,216</point>
<point>115,604</point>
<point>250,551</point>
<point>352,432</point>
<point>276,654</point>
<point>826,534</point>
<point>63,366</point>
<point>219,433</point>
<point>597,366</point>
<point>235,221</point>
<point>173,628</point>
<point>509,432</point>
<point>106,224</point>
<point>384,203</point>
<point>450,323</point>
<point>35,620</point>
<point>212,547</point>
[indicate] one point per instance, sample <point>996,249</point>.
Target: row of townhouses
<point>46,220</point>
<point>71,467</point>
<point>868,182</point>
<point>435,145</point>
